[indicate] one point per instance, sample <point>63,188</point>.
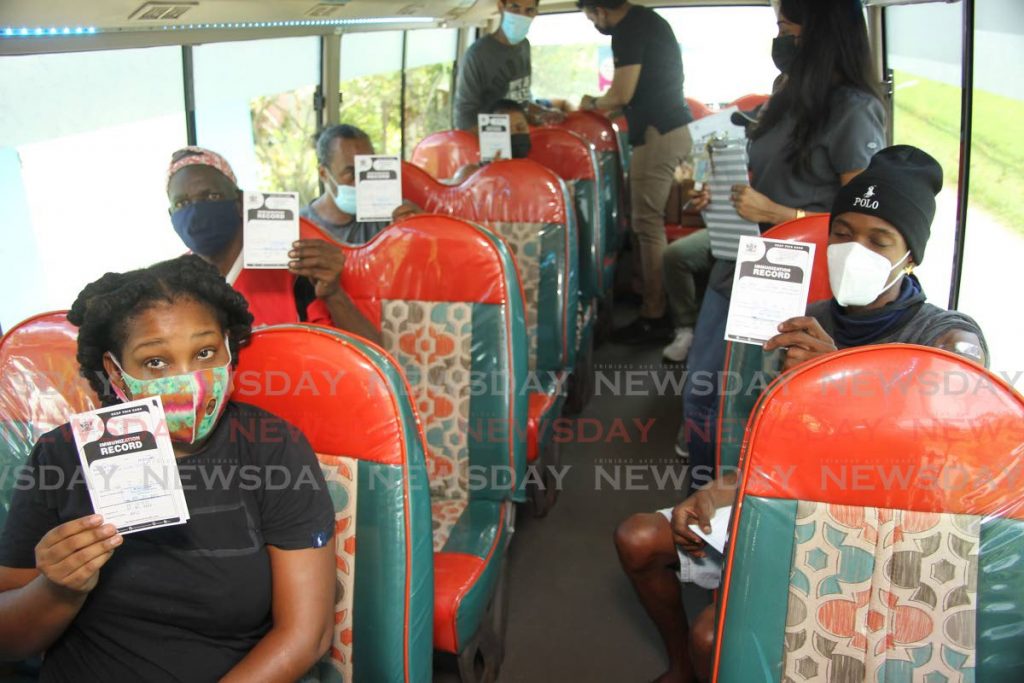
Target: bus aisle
<point>572,613</point>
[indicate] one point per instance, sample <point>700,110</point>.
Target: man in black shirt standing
<point>648,85</point>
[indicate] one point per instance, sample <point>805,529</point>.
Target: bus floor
<point>573,615</point>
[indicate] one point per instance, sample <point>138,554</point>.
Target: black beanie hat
<point>898,186</point>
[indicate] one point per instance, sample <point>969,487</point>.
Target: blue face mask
<point>207,228</point>
<point>344,197</point>
<point>515,27</point>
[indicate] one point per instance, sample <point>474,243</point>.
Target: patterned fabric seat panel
<point>879,594</point>
<point>860,594</point>
<point>455,360</point>
<point>432,342</point>
<point>446,514</point>
<point>341,475</point>
<point>540,256</point>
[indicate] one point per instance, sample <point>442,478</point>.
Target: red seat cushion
<point>542,405</point>
<point>454,575</point>
<point>674,232</point>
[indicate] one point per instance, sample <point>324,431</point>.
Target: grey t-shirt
<point>491,71</point>
<point>854,132</point>
<point>924,328</point>
<point>352,232</point>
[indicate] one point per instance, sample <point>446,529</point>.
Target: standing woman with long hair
<point>820,128</point>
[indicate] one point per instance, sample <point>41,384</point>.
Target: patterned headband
<point>202,157</point>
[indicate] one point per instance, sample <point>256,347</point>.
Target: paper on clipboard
<point>770,285</point>
<point>271,226</point>
<point>129,465</point>
<point>495,132</point>
<point>719,529</point>
<point>378,187</point>
<point>718,124</point>
<point>725,226</point>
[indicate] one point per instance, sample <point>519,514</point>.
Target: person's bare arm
<point>322,262</point>
<point>303,618</point>
<point>756,207</point>
<point>37,605</point>
<point>619,94</point>
<point>699,509</point>
<point>803,338</point>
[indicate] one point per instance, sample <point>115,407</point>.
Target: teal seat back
<point>445,295</point>
<point>528,206</point>
<point>350,400</point>
<point>878,529</point>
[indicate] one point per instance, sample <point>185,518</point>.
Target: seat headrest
<point>890,426</point>
<point>813,229</point>
<point>513,191</point>
<point>443,153</point>
<point>564,152</point>
<point>593,127</point>
<point>337,389</point>
<point>40,380</point>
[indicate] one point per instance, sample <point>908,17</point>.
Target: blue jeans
<point>702,389</point>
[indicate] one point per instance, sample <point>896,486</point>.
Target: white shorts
<point>705,571</point>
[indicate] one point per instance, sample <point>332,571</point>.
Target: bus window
<point>254,105</point>
<point>430,55</point>
<point>995,219</point>
<point>719,64</point>
<point>83,155</point>
<point>563,69</point>
<point>371,87</point>
<point>924,50</point>
<point>727,51</point>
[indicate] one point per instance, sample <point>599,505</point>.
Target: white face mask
<point>858,275</point>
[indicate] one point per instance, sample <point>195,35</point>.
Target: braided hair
<point>104,310</point>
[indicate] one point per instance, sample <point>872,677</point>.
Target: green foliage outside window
<point>283,127</point>
<point>428,101</point>
<point>564,71</point>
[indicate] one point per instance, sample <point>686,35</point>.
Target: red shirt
<point>271,297</point>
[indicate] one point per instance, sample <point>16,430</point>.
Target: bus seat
<point>599,131</point>
<point>697,108</point>
<point>746,362</point>
<point>528,206</point>
<point>622,126</point>
<point>450,309</point>
<point>443,153</point>
<point>877,528</point>
<point>748,102</point>
<point>575,161</point>
<point>371,453</point>
<point>40,388</point>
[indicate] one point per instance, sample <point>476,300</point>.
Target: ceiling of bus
<point>134,15</point>
<point>143,15</point>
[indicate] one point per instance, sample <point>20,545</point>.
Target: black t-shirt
<point>643,37</point>
<point>185,602</point>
